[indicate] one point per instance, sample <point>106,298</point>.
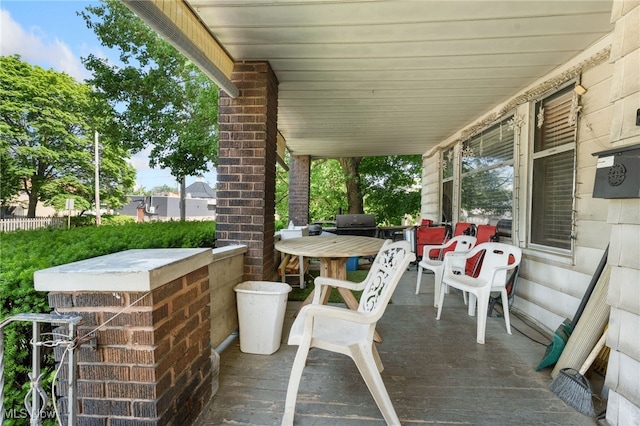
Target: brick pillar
<point>152,362</point>
<point>247,167</point>
<point>299,180</point>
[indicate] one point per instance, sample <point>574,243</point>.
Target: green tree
<point>351,169</point>
<point>328,190</point>
<point>162,189</point>
<point>391,186</point>
<point>9,177</point>
<point>388,187</point>
<point>47,123</point>
<point>158,97</point>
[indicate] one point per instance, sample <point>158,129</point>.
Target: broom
<point>563,332</point>
<point>572,387</point>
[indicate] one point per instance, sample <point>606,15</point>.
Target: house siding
<point>623,371</point>
<point>430,205</point>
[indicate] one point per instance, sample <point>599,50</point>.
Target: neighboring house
<point>19,208</point>
<point>200,205</point>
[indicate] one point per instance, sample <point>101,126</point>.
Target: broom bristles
<point>574,389</point>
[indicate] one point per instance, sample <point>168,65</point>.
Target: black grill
<point>363,225</point>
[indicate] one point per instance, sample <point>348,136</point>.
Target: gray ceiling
<point>360,78</point>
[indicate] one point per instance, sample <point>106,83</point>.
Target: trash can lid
<point>262,287</point>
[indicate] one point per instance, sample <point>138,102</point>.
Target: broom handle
<point>591,287</point>
<point>593,354</point>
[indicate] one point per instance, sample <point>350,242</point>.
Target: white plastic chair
<point>497,259</point>
<point>463,243</point>
<point>350,332</point>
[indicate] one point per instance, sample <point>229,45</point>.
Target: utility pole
<point>97,179</point>
<point>183,201</point>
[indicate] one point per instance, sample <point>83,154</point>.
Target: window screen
<point>487,175</point>
<point>447,185</point>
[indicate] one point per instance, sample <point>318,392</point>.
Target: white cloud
<point>141,160</point>
<point>35,47</point>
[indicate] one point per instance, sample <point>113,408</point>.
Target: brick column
<point>152,364</point>
<point>247,167</point>
<point>299,181</point>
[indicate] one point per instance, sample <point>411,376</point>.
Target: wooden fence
<point>24,223</point>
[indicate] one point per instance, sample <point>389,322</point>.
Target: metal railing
<point>36,400</point>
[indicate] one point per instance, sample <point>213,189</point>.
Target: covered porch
<point>356,78</point>
<point>435,373</point>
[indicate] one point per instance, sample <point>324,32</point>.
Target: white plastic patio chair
<point>350,332</point>
<point>461,244</point>
<point>498,258</point>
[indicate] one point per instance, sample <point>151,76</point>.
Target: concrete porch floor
<point>435,373</point>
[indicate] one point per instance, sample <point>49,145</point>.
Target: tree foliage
<point>388,187</point>
<point>353,181</point>
<point>158,97</point>
<point>328,192</point>
<point>391,187</point>
<point>47,124</point>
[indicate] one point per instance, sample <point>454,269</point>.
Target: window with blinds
<point>553,171</point>
<point>487,175</point>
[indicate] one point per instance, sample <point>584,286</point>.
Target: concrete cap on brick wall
<point>130,270</point>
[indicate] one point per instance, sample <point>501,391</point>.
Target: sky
<point>51,35</point>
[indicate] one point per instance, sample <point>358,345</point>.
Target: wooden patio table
<point>333,252</point>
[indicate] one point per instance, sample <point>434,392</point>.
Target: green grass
<point>298,294</point>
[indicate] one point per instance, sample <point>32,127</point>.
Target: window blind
<point>553,174</point>
<point>553,125</point>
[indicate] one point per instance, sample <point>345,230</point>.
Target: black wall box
<point>618,173</point>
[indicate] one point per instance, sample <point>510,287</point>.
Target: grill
<point>363,225</point>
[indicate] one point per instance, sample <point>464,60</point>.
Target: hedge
<point>24,252</point>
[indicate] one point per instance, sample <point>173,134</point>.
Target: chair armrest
<point>334,282</point>
<point>324,284</point>
<point>454,262</point>
<point>312,311</point>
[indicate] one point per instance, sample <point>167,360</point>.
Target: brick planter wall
<point>152,364</point>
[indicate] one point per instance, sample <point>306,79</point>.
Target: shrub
<point>24,252</point>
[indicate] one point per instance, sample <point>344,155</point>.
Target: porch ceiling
<point>361,78</point>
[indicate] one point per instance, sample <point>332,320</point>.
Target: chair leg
<point>441,300</point>
<point>471,310</point>
<point>420,270</point>
<point>483,305</point>
<point>294,383</point>
<point>505,309</point>
<point>376,358</point>
<point>364,359</point>
<point>437,283</point>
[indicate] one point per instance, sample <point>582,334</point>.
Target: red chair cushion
<point>485,233</point>
<point>461,227</point>
<point>430,236</point>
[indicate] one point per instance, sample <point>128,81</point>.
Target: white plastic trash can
<point>261,308</point>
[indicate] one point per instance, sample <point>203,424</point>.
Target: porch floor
<point>435,373</point>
